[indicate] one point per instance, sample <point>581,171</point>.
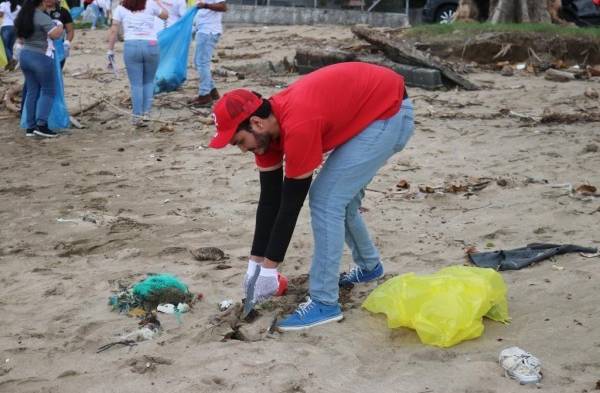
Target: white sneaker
<point>520,365</point>
<point>138,122</point>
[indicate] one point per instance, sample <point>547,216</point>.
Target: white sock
<point>264,272</point>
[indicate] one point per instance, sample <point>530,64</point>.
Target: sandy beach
<point>108,204</point>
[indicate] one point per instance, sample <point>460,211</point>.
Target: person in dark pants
<point>36,30</point>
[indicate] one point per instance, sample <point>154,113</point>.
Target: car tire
<point>444,13</point>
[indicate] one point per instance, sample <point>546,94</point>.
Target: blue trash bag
<point>59,52</point>
<point>174,44</point>
<point>76,12</point>
<point>59,115</point>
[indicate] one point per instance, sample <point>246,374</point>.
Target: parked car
<point>581,12</point>
<point>439,11</point>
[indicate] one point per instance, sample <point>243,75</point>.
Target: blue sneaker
<point>358,275</point>
<point>310,314</point>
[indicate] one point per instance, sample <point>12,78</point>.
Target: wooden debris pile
<point>400,56</point>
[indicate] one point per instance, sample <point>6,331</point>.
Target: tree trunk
<point>524,12</point>
<point>511,11</point>
<point>467,11</point>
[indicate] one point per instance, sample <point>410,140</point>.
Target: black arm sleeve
<point>293,196</point>
<point>266,212</point>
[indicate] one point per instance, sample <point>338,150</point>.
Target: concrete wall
<point>310,16</point>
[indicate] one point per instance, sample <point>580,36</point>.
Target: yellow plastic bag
<point>446,307</point>
<point>3,59</point>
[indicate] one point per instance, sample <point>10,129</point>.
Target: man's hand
<point>201,4</point>
<point>266,286</point>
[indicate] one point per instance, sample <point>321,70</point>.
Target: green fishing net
<point>153,285</point>
<point>150,292</point>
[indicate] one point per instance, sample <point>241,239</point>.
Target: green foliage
<point>82,25</point>
<point>458,29</point>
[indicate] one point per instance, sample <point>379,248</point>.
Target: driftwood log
<point>225,72</point>
<point>16,89</point>
<point>405,54</point>
<point>310,59</point>
<point>8,98</point>
<point>75,123</point>
<point>87,108</point>
<point>568,118</point>
<point>558,76</point>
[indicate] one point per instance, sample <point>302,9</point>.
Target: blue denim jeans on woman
<point>39,79</point>
<point>97,15</point>
<point>336,195</point>
<point>8,39</point>
<point>205,46</point>
<point>141,60</point>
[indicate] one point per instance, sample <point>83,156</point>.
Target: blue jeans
<point>205,46</point>
<point>141,60</point>
<point>97,14</point>
<point>8,39</point>
<point>39,79</point>
<point>336,195</point>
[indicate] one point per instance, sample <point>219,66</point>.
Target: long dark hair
<point>14,4</point>
<point>134,5</point>
<point>24,21</point>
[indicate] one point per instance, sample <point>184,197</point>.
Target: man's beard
<point>262,142</point>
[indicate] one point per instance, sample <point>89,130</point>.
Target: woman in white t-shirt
<point>141,52</point>
<point>8,13</point>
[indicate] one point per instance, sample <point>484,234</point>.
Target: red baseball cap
<point>232,109</point>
